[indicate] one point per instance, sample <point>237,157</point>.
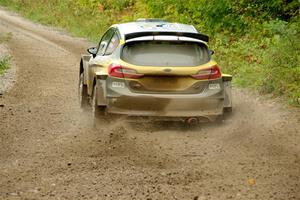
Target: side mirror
<point>211,52</point>
<point>93,51</point>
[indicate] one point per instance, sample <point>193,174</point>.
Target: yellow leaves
<point>251,181</point>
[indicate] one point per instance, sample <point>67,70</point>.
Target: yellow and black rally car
<point>154,68</point>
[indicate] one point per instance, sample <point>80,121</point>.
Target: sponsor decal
<point>118,85</point>
<point>214,86</point>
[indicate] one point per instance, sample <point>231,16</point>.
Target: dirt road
<point>50,149</point>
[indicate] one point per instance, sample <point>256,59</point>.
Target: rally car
<point>154,68</point>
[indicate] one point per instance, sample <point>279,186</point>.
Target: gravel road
<point>51,149</point>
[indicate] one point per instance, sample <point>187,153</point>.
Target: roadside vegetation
<point>4,64</point>
<point>4,59</point>
<point>256,41</point>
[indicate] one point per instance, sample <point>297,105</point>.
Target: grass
<point>4,64</point>
<point>4,60</point>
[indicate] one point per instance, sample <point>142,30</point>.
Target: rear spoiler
<point>198,36</point>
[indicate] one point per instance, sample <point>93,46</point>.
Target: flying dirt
<point>52,149</point>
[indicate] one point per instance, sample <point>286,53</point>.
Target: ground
<point>51,149</point>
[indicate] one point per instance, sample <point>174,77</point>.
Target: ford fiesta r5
<point>156,69</point>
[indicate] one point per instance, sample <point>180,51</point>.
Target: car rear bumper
<point>207,104</point>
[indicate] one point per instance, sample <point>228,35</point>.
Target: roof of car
<point>154,26</point>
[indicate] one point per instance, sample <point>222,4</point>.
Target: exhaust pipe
<point>192,121</point>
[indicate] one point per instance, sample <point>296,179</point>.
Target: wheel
<point>97,111</point>
<point>82,93</point>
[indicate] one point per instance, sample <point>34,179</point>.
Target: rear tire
<point>82,93</point>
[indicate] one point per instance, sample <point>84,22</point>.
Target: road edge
<point>9,77</point>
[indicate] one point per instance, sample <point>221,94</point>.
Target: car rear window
<point>165,53</point>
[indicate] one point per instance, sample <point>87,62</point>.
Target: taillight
<point>123,72</point>
<point>213,72</point>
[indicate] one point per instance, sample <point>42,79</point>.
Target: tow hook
<point>192,121</point>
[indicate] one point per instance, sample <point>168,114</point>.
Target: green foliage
<point>208,16</point>
<point>267,59</point>
<point>267,9</point>
<point>223,15</point>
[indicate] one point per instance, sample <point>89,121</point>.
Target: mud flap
<point>227,91</point>
<point>101,92</point>
<point>228,95</point>
<point>85,60</point>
